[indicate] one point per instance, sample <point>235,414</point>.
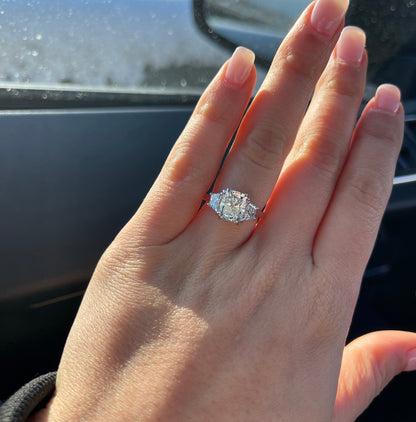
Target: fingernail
<point>411,360</point>
<point>327,15</point>
<point>387,98</point>
<point>351,43</point>
<point>239,66</point>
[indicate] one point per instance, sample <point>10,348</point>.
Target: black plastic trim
<point>19,98</point>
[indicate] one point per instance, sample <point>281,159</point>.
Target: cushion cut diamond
<point>233,206</point>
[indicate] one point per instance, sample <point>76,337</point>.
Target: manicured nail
<point>387,98</point>
<point>239,66</point>
<point>411,360</point>
<point>351,43</point>
<point>327,15</point>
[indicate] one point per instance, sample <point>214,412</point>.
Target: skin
<point>192,318</point>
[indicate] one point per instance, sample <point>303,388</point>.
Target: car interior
<point>76,164</point>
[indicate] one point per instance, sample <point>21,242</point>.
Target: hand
<point>192,318</point>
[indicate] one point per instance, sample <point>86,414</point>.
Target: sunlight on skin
<point>190,317</point>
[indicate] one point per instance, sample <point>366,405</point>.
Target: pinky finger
<point>349,228</point>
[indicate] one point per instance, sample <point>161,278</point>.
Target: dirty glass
<point>132,45</point>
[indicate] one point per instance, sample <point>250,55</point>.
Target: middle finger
<point>271,123</point>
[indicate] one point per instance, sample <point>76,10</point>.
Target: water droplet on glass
<point>183,83</point>
<point>170,32</point>
<point>35,53</point>
<point>393,8</point>
<point>39,37</point>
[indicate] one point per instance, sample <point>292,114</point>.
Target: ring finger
<point>271,123</point>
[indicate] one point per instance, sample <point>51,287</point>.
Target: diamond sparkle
<point>233,206</point>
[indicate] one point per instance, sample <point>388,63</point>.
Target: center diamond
<point>233,206</point>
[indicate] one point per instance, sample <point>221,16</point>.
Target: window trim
<point>17,97</point>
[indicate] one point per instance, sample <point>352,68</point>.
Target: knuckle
<point>297,64</point>
<point>180,167</point>
<point>263,147</point>
<point>344,87</point>
<point>381,131</point>
<point>211,111</point>
<point>344,81</point>
<point>324,155</point>
<point>303,55</point>
<point>369,191</point>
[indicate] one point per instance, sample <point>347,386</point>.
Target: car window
<point>121,45</point>
<point>277,16</point>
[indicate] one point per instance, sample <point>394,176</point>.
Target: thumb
<point>369,363</point>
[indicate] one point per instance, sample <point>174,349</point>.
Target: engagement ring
<point>234,206</point>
